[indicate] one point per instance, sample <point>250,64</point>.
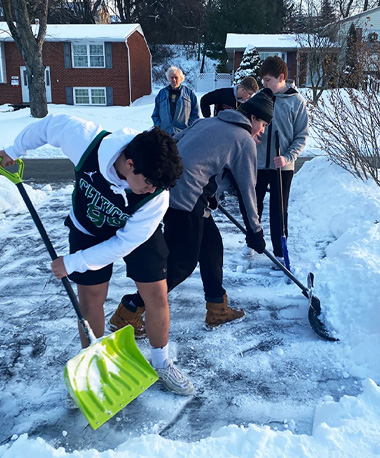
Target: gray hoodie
<point>207,148</point>
<point>291,120</point>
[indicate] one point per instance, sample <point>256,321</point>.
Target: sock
<point>131,303</point>
<point>159,356</point>
<point>127,301</point>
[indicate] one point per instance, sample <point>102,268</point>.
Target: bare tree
<point>78,12</point>
<point>348,120</point>
<point>19,16</point>
<point>318,51</point>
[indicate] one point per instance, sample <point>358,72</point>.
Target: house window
<point>88,55</point>
<point>3,78</point>
<point>90,96</point>
<point>264,55</point>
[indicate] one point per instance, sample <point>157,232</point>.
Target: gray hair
<point>173,69</point>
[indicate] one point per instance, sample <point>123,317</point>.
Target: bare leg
<point>91,300</point>
<point>157,316</point>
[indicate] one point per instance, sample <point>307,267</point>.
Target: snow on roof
<point>65,32</point>
<point>278,41</point>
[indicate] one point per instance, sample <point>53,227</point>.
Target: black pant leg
<point>211,261</point>
<point>183,236</point>
<point>276,230</point>
<point>263,179</point>
<point>183,233</point>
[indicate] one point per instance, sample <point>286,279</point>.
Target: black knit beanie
<point>260,106</point>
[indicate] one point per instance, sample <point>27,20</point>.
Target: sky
<point>265,387</point>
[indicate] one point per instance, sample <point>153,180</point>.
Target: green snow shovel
<point>103,378</point>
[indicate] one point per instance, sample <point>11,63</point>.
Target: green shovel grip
<point>15,177</point>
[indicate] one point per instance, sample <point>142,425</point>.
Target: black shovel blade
<point>316,324</point>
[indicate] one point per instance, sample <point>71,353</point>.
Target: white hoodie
<point>73,135</point>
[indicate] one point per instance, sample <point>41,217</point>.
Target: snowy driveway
<point>270,369</point>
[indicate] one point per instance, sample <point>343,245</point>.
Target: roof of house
<point>69,32</point>
<point>267,41</point>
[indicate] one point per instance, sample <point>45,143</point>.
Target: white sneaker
<point>247,252</point>
<point>174,380</point>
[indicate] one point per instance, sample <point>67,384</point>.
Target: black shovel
<point>314,303</point>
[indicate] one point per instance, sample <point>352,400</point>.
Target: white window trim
<point>90,102</point>
<point>75,43</point>
<point>282,54</point>
<point>3,75</point>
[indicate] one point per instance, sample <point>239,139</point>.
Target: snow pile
<point>339,214</point>
<point>339,430</point>
<point>11,201</point>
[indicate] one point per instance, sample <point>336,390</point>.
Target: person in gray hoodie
<point>290,119</point>
<point>190,231</point>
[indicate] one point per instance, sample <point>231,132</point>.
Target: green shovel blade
<point>103,378</point>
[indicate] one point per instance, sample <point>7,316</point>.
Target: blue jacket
<point>186,112</point>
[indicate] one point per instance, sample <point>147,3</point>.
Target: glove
<point>255,240</point>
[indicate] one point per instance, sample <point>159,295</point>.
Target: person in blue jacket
<point>176,105</point>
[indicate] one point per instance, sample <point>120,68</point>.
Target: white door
<point>25,88</point>
<point>48,84</point>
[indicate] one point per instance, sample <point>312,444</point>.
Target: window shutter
<point>109,95</point>
<point>67,54</point>
<point>69,96</point>
<point>108,53</point>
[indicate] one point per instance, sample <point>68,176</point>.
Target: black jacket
<point>222,99</point>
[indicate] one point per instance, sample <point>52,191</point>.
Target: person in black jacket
<point>228,97</point>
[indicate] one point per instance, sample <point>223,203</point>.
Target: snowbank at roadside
<point>348,428</point>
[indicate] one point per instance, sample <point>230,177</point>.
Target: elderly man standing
<point>176,105</point>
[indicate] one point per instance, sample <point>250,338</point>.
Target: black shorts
<point>146,264</point>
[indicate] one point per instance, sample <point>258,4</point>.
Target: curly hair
<point>155,155</point>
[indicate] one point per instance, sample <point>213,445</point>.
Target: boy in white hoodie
<point>120,197</point>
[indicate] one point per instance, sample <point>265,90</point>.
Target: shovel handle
<point>15,177</point>
<point>37,221</point>
<point>305,291</point>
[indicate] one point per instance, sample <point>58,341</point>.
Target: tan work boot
<point>123,316</point>
<point>218,314</point>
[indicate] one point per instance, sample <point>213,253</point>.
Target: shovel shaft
<point>37,221</point>
<point>314,303</point>
<point>284,245</point>
<point>279,179</point>
<point>305,291</point>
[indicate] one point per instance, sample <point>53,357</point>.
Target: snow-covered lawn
<point>267,386</point>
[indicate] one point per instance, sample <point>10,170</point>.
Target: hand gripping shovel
<point>284,245</point>
<point>105,377</point>
<point>314,303</point>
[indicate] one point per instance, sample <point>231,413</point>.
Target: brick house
<point>283,45</point>
<point>86,64</point>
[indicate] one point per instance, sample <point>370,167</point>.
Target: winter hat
<point>260,106</point>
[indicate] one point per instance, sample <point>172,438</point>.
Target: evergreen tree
<point>327,15</point>
<point>352,70</point>
<point>249,65</point>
